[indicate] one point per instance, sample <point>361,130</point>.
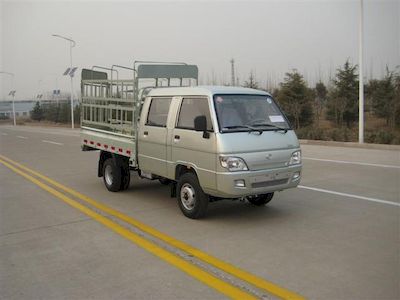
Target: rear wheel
<point>192,200</point>
<point>260,200</point>
<point>126,178</point>
<point>112,175</point>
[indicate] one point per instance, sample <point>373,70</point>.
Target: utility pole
<point>71,74</point>
<point>232,61</point>
<point>360,80</point>
<point>12,93</point>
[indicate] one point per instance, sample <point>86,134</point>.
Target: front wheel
<point>192,200</point>
<point>260,200</point>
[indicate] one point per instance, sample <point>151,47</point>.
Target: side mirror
<point>200,124</point>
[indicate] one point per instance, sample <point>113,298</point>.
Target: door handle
<point>146,133</point>
<point>177,137</point>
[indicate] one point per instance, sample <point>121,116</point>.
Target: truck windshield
<point>249,113</point>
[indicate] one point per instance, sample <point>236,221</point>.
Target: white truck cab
<point>207,142</point>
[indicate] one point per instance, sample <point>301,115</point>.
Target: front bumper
<point>257,182</point>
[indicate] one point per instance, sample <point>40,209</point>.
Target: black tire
<point>126,178</point>
<point>260,200</point>
<point>196,202</point>
<point>164,181</point>
<point>112,175</point>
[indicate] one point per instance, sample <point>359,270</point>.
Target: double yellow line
<point>194,271</point>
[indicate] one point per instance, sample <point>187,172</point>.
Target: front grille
<point>269,183</point>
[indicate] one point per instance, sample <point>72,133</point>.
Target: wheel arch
<point>118,159</point>
<point>181,169</point>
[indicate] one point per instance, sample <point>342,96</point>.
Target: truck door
<point>152,145</point>
<point>189,147</point>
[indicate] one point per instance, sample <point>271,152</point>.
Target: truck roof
<point>203,90</point>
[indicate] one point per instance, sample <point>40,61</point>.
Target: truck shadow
<point>224,210</point>
<point>244,212</point>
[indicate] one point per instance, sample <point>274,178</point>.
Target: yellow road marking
<point>226,267</point>
<point>196,272</point>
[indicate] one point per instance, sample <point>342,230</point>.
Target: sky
<point>268,38</point>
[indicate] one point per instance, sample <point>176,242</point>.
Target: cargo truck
<point>208,143</point>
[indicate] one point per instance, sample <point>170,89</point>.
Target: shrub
<point>336,134</point>
<point>382,137</point>
<point>311,133</point>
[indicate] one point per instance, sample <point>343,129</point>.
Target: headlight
<point>296,158</point>
<point>233,163</point>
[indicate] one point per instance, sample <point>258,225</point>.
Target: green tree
<point>295,98</point>
<point>37,112</point>
<point>343,100</point>
<point>51,112</point>
<point>397,98</point>
<point>382,94</point>
<point>251,83</point>
<point>77,114</point>
<point>64,113</point>
<point>321,93</point>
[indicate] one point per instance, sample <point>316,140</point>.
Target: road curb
<point>351,145</point>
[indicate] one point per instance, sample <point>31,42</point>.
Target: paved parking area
<point>337,236</point>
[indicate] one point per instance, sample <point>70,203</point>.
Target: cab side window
<point>192,108</point>
<point>158,112</point>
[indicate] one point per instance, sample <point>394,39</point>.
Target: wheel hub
<point>108,175</point>
<point>188,197</point>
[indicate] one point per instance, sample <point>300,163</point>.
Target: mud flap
<point>173,189</point>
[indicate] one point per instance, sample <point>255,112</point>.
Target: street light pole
<point>360,76</point>
<point>12,93</point>
<point>72,44</point>
<point>13,107</point>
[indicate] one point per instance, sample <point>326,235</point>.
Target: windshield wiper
<point>243,126</point>
<point>271,125</point>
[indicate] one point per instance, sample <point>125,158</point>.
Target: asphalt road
<point>335,237</point>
